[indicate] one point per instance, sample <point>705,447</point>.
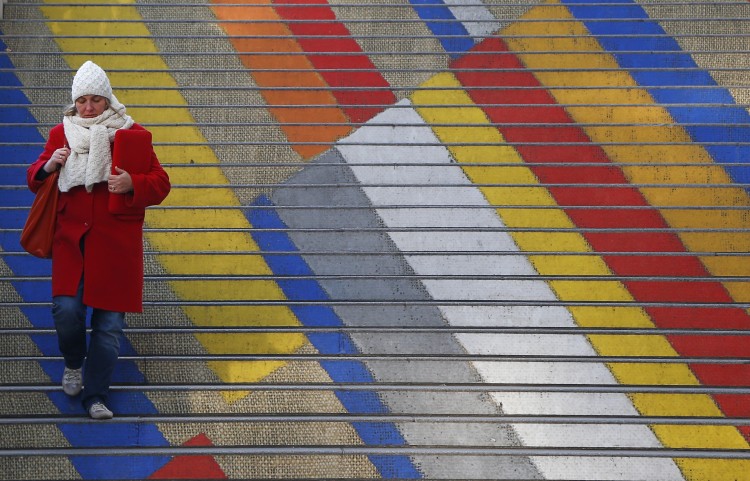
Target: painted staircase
<point>443,240</point>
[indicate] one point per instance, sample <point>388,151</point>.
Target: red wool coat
<point>112,261</point>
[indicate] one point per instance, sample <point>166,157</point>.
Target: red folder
<point>132,153</point>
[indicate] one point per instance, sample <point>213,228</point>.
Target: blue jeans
<point>69,314</point>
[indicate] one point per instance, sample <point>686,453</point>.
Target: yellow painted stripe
<point>562,37</point>
<point>459,108</point>
<point>209,174</point>
<point>717,470</point>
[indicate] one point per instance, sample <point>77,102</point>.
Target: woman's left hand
<point>120,183</point>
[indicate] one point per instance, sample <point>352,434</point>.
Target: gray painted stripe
<point>395,371</point>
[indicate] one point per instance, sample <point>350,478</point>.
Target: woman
<point>97,256</point>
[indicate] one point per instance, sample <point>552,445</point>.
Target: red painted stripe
<point>322,23</point>
<point>190,466</point>
<point>711,318</point>
<point>500,103</point>
<point>717,346</point>
<point>262,43</point>
<point>651,265</point>
<point>735,406</point>
<point>722,375</point>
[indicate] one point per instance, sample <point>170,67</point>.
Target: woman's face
<point>90,106</point>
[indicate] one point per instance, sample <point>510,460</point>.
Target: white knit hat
<point>91,80</point>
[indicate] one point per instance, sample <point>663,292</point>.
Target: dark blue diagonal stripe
<point>644,44</point>
<point>451,33</point>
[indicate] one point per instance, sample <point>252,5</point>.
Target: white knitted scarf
<point>90,160</point>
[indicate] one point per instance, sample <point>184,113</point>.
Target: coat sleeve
<point>55,140</point>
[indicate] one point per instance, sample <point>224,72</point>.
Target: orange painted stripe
<point>339,57</point>
<point>307,87</point>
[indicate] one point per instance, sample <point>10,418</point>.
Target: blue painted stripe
<point>17,198</point>
<point>633,52</point>
<point>17,154</point>
<point>377,434</point>
<point>12,175</point>
<point>18,133</point>
<point>78,435</point>
<point>451,33</point>
<point>12,113</point>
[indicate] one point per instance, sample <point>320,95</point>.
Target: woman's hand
<point>57,160</point>
<point>120,183</point>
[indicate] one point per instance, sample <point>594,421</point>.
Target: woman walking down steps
<point>97,255</point>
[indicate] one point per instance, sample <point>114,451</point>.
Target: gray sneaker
<point>100,411</point>
<point>72,381</point>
